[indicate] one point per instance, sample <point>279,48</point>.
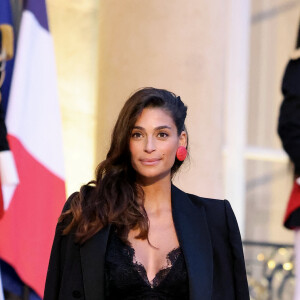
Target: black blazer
<point>208,234</point>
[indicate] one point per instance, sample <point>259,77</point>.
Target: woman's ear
<point>183,139</point>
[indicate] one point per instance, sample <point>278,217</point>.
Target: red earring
<point>181,153</point>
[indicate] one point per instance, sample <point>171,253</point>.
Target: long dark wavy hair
<point>115,197</point>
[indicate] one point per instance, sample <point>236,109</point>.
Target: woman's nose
<point>149,145</point>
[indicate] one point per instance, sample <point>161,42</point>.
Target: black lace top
<point>127,279</point>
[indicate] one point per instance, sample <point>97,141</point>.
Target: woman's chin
<point>147,178</point>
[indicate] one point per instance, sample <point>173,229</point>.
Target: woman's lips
<point>150,162</point>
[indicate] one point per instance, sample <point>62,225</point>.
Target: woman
<point>131,234</point>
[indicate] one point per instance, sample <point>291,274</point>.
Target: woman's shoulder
<point>75,197</point>
<point>70,200</point>
<point>72,208</point>
<point>208,202</point>
<point>216,209</point>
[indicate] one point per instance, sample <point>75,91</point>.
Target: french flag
<point>34,134</point>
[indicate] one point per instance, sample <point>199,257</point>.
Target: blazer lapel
<point>92,255</point>
<point>194,238</point>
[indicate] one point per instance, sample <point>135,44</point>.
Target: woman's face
<point>153,144</point>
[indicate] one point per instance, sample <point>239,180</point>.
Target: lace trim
<point>162,273</point>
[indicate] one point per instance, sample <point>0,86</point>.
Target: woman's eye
<point>163,135</point>
<point>136,135</point>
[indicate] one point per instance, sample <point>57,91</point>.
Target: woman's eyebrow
<point>156,128</point>
<point>163,127</point>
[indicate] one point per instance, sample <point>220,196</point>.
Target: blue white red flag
<point>34,135</point>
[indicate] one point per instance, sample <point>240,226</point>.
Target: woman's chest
<point>162,238</point>
<point>126,276</point>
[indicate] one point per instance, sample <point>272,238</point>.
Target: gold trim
<point>7,41</point>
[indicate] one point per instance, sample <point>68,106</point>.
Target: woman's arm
<point>239,269</point>
<point>57,258</point>
<point>53,279</point>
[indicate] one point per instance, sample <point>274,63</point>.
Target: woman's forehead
<point>154,116</point>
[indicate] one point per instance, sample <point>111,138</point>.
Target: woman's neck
<point>157,196</point>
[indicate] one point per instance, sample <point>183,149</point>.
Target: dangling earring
<point>181,153</point>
